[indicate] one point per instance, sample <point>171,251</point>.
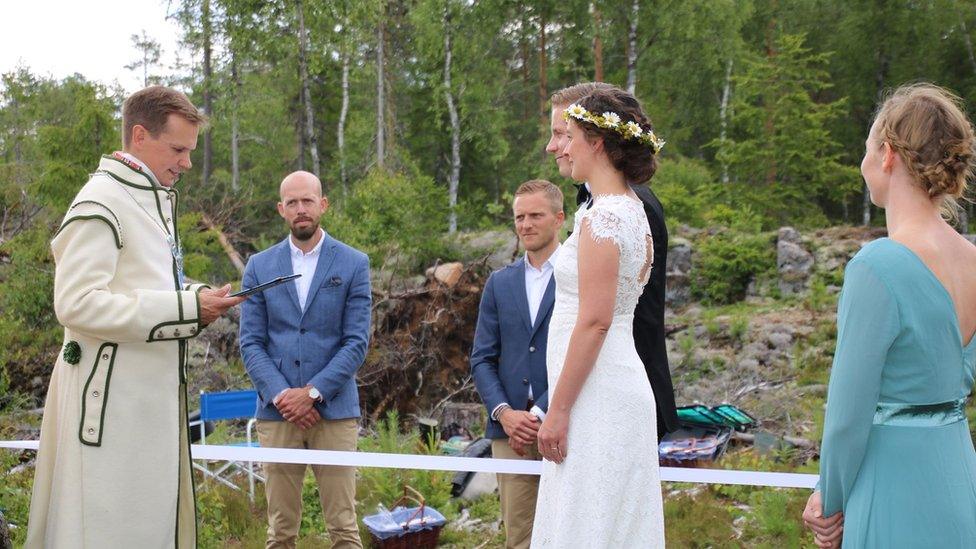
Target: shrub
<point>727,261</point>
<point>387,213</point>
<point>29,332</point>
<point>687,190</point>
<point>384,486</point>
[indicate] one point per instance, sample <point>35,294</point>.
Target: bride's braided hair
<point>927,126</point>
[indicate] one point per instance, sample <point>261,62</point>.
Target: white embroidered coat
<point>113,468</point>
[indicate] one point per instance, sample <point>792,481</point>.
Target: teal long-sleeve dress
<point>897,456</point>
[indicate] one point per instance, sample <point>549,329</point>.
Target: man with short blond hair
<point>113,468</point>
<point>302,344</point>
<point>649,337</point>
<point>508,359</point>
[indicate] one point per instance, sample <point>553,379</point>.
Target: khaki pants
<point>518,494</point>
<point>337,485</point>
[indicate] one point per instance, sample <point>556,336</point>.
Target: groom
<point>508,360</point>
<point>649,315</point>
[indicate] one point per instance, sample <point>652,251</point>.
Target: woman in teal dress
<point>897,465</point>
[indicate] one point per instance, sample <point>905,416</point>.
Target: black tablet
<point>265,286</point>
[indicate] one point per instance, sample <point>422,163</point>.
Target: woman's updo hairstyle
<point>928,128</point>
<point>634,159</point>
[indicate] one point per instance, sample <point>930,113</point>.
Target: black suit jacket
<point>649,315</point>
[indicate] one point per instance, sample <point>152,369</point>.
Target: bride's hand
<point>552,436</point>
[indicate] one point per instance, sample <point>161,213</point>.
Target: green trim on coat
<point>189,335</point>
<point>125,181</point>
<point>118,223</point>
<point>84,394</point>
<point>184,411</point>
<point>115,232</point>
<point>174,210</point>
<point>179,304</point>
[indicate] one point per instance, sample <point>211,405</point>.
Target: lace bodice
<point>615,218</point>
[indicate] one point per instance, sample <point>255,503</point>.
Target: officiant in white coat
<point>113,468</point>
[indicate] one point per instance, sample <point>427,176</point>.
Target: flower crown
<point>611,121</point>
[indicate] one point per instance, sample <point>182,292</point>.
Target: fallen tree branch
<point>235,258</point>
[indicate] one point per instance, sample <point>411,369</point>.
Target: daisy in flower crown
<point>611,120</point>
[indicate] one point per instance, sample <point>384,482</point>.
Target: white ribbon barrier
<point>448,463</point>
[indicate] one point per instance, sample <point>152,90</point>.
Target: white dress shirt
<point>536,282</point>
<point>304,264</point>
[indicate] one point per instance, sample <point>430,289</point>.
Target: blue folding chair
<point>224,406</point>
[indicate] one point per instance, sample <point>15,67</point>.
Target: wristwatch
<point>314,394</point>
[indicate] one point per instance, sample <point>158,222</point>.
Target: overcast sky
<point>90,37</point>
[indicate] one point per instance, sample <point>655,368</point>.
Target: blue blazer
<point>509,353</point>
<point>324,345</point>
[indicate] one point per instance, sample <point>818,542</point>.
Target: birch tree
<point>455,173</point>
<point>309,121</point>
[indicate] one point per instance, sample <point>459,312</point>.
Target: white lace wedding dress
<point>607,492</point>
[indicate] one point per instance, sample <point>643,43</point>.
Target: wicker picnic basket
<point>403,527</point>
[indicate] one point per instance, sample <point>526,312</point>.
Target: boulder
<point>678,280</point>
<point>794,262</point>
<point>835,254</point>
<point>500,247</point>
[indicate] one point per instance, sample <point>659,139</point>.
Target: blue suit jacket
<point>324,345</point>
<point>509,354</point>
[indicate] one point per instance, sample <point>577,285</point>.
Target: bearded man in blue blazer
<point>508,360</point>
<point>302,343</point>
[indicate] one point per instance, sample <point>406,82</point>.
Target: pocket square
<point>335,281</point>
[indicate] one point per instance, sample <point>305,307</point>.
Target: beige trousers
<point>518,494</point>
<point>337,485</point>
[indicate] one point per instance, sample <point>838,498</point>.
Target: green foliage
<point>818,299</point>
<point>687,343</point>
<point>15,494</point>
<point>774,522</point>
<point>727,261</point>
<point>15,487</point>
<point>779,153</point>
<point>389,213</point>
<point>71,144</point>
<point>203,258</point>
<point>699,521</point>
<point>686,188</point>
<point>739,328</point>
<point>486,508</point>
<point>385,486</point>
<point>29,332</point>
<point>225,514</point>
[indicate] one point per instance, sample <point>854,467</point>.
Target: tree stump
<point>469,416</point>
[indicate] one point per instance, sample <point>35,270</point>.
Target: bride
<point>600,485</point>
